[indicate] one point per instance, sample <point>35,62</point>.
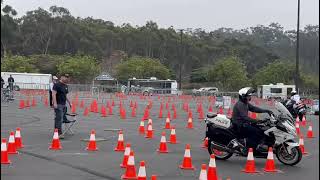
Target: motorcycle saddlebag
<point>219,135</point>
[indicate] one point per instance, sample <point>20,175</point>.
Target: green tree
<point>81,68</point>
<point>18,64</point>
<point>276,72</point>
<point>140,67</point>
<point>228,74</point>
<point>199,75</point>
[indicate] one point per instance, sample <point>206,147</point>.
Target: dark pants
<point>50,98</point>
<point>60,116</point>
<point>253,134</point>
<point>11,86</point>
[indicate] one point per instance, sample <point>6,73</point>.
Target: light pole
<point>181,60</point>
<point>297,77</point>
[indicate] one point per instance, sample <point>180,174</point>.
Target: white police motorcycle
<point>224,140</point>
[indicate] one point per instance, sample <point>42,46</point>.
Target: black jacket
<point>240,113</point>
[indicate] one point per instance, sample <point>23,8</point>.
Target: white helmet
<point>247,91</point>
<point>293,92</point>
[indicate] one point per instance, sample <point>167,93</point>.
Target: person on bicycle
<point>10,82</point>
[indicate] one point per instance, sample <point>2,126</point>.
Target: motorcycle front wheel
<point>289,159</point>
<point>220,155</point>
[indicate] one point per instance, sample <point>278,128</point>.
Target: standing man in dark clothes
<point>59,97</point>
<point>10,82</point>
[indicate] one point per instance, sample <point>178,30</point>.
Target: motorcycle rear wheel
<point>220,155</point>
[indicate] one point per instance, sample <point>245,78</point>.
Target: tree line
<point>45,39</point>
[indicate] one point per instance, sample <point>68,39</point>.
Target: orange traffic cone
<point>297,128</point>
<point>92,146</point>
<point>190,125</point>
<point>174,114</point>
<point>12,144</point>
<point>130,169</point>
<point>203,173</point>
<point>120,145</point>
<point>142,175</point>
<point>169,115</point>
<point>46,103</point>
<point>126,156</point>
<point>301,145</point>
<point>133,112</point>
<point>187,160</point>
<point>141,127</point>
<point>167,125</point>
<point>205,143</point>
<point>4,152</point>
<point>153,177</point>
<point>149,131</point>
<point>18,139</point>
<point>173,137</point>
<point>220,110</point>
<point>212,170</point>
<point>103,111</point>
<point>250,165</point>
<point>163,144</point>
<point>270,167</point>
<point>86,111</point>
<point>160,112</point>
<point>310,132</point>
<point>55,145</point>
<point>21,104</point>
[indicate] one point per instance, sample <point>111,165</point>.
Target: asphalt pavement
<point>35,161</point>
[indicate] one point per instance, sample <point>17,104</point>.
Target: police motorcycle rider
<point>295,105</point>
<point>244,125</point>
<point>295,96</point>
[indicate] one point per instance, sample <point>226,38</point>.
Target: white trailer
<point>28,80</point>
<point>278,90</point>
<point>160,86</point>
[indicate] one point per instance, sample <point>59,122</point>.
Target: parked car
<point>205,91</point>
<point>315,107</point>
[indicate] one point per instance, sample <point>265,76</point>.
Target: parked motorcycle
<point>224,140</point>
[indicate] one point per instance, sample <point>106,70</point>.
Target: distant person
<point>54,80</point>
<point>2,83</point>
<point>10,82</point>
<point>295,97</point>
<point>59,98</point>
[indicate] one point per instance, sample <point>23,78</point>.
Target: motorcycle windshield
<point>283,110</point>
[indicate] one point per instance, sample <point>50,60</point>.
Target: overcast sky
<point>206,14</point>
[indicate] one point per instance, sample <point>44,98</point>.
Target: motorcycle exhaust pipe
<point>221,147</point>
